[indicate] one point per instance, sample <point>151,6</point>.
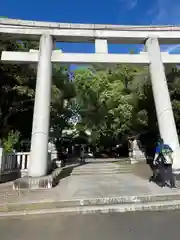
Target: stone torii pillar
<point>165,117</point>
<point>40,129</point>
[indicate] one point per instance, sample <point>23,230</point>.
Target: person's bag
<point>167,156</point>
<point>157,159</point>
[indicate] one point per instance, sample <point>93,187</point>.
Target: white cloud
<point>174,48</point>
<point>165,12</point>
<point>165,48</point>
<point>171,48</point>
<point>129,4</point>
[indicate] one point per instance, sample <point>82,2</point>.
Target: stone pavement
<point>87,187</point>
<point>114,226</point>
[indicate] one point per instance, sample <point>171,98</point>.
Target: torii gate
<point>101,35</point>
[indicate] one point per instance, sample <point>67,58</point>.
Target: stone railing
<point>11,162</point>
<point>17,162</point>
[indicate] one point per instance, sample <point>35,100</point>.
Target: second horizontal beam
<point>85,58</point>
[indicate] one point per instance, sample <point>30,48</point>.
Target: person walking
<point>82,155</point>
<point>164,160</point>
<point>155,166</point>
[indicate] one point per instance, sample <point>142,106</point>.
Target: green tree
<point>105,106</point>
<point>17,92</point>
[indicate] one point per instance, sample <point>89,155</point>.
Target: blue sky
<point>134,12</point>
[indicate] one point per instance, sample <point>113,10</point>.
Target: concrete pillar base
<point>44,182</point>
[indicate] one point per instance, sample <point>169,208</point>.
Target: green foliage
<point>174,87</point>
<point>17,92</point>
<point>106,105</point>
<point>11,141</point>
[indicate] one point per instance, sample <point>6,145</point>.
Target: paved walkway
<point>124,226</point>
<point>87,186</point>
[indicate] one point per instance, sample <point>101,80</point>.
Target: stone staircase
<point>95,205</point>
<point>102,169</point>
<point>91,188</point>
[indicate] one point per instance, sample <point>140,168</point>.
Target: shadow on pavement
<point>66,172</point>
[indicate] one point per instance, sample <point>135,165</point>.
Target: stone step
<point>88,171</point>
<point>99,170</point>
<point>106,160</point>
<point>115,164</point>
<point>97,165</point>
<point>99,173</point>
<point>96,174</point>
<point>155,206</point>
<point>104,205</point>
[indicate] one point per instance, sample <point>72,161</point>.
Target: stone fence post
<point>1,159</point>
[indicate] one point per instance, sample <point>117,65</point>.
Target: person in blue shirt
<point>164,160</point>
